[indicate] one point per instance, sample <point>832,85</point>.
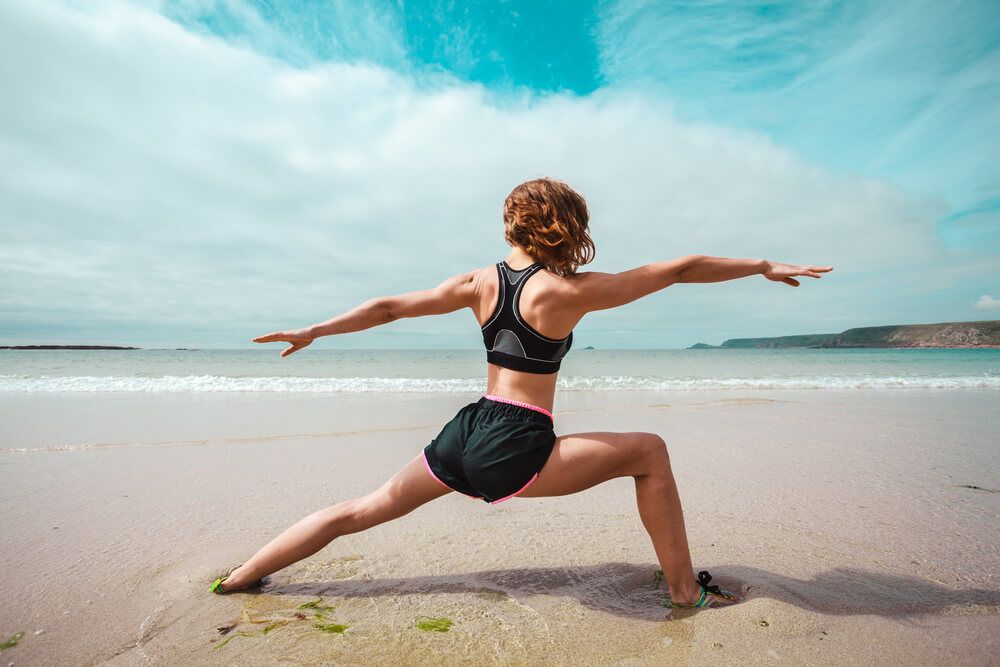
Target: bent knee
<point>653,449</point>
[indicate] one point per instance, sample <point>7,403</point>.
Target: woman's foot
<point>702,595</point>
<point>232,582</point>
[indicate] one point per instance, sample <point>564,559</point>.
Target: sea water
<point>323,370</point>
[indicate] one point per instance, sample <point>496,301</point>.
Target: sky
<point>194,173</point>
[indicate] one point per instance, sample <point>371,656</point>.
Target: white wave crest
<point>214,383</point>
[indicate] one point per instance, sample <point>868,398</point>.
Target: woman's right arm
<point>452,294</point>
<point>598,291</point>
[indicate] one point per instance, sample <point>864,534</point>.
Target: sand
<point>846,517</point>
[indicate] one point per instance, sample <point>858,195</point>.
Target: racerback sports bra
<point>510,342</point>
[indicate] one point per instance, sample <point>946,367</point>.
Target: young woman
<point>503,445</point>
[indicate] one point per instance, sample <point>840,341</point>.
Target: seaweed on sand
<point>316,606</point>
<point>434,624</point>
<point>333,628</point>
<point>242,633</point>
<point>280,617</point>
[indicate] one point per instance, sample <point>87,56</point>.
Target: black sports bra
<point>510,342</point>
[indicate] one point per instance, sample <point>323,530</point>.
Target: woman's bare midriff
<point>531,388</point>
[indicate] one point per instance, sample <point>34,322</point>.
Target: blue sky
<point>195,173</point>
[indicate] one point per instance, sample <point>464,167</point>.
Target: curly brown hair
<point>549,220</point>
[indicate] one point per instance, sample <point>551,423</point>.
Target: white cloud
<point>907,90</point>
<point>172,182</point>
<point>987,302</point>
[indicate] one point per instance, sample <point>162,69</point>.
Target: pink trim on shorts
<point>494,502</point>
<point>427,465</point>
<point>438,480</point>
<point>520,404</point>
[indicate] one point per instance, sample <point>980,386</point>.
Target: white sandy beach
<point>845,516</point>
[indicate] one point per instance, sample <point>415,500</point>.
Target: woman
<point>503,445</point>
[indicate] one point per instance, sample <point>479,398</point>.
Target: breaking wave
<point>215,383</point>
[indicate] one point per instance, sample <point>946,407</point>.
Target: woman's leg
<point>582,460</point>
<point>407,490</point>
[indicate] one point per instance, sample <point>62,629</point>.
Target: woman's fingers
<point>813,271</point>
<point>280,337</point>
<point>784,272</point>
<point>297,342</point>
<point>294,347</point>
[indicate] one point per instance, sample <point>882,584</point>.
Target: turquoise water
<point>263,370</point>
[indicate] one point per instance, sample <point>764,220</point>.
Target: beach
<point>861,524</point>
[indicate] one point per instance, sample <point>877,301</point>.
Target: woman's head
<point>549,220</point>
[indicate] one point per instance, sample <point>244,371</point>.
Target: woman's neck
<point>519,259</point>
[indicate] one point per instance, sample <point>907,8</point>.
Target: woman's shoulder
<point>572,282</point>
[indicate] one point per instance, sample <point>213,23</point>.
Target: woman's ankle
<point>685,593</point>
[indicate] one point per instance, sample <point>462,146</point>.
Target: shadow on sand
<point>629,590</point>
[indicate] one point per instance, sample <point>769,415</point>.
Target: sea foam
<point>215,383</point>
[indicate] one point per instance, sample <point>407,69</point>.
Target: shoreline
<point>696,346</point>
<point>109,420</point>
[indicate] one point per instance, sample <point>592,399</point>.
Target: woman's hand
<point>299,338</point>
<point>783,273</point>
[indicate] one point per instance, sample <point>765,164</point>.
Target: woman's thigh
<point>581,460</point>
<point>405,491</point>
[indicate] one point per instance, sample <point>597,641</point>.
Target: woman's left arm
<point>453,294</point>
<point>708,269</point>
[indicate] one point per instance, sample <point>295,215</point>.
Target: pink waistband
<point>501,399</point>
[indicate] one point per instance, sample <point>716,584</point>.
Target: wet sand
<point>848,518</point>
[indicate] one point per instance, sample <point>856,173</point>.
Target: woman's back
<point>527,328</point>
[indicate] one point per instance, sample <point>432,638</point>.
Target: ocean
<point>428,371</point>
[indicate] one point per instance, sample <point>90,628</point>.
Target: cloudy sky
<point>194,173</point>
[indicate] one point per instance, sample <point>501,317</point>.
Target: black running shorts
<point>491,450</point>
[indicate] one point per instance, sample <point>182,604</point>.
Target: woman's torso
<point>541,307</point>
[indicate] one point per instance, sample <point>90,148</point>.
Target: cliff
<point>984,333</point>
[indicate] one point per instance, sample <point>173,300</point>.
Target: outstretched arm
<point>599,291</point>
<point>451,295</point>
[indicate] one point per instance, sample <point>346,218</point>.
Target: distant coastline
<point>67,347</point>
<point>985,333</point>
